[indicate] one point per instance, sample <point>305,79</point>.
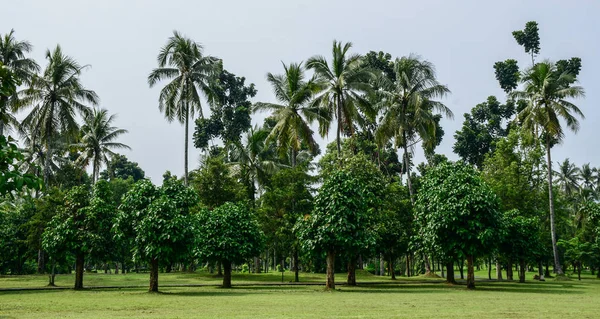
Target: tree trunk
<point>153,275</point>
<point>408,274</point>
<point>352,271</point>
<point>52,274</point>
<point>598,273</point>
<point>381,265</point>
<point>169,268</point>
<point>522,271</point>
<point>509,270</point>
<point>461,265</point>
<point>450,272</point>
<point>360,263</point>
<point>79,260</point>
<point>226,274</point>
<point>330,283</point>
<point>116,268</point>
<point>339,128</point>
<point>296,268</point>
<point>407,170</point>
<point>579,271</point>
<point>41,262</point>
<point>187,123</point>
<point>490,269</point>
<point>219,270</point>
<point>392,268</point>
<point>557,266</point>
<point>470,273</point>
<point>498,270</point>
<point>540,268</point>
<point>547,271</point>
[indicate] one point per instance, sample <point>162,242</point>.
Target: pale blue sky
<point>120,39</point>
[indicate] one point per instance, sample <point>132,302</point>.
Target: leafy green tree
<point>577,252</point>
<point>408,105</point>
<point>457,214</point>
<point>547,94</point>
<point>344,215</point>
<point>13,60</point>
<point>513,172</point>
<point>181,60</point>
<point>481,130</point>
<point>230,111</point>
<point>343,85</point>
<point>98,140</point>
<point>521,240</point>
<point>56,96</point>
<point>228,234</point>
<point>529,38</point>
<point>157,220</point>
<point>214,183</point>
<point>507,74</point>
<point>83,226</point>
<point>286,199</point>
<point>380,61</point>
<point>14,247</point>
<point>120,167</point>
<point>395,225</point>
<point>11,177</point>
<point>294,114</point>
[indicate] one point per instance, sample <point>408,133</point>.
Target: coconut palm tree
<point>98,140</point>
<point>294,114</point>
<point>190,73</point>
<point>253,161</point>
<point>13,56</point>
<point>568,177</point>
<point>56,96</point>
<point>344,84</point>
<point>408,106</point>
<point>587,175</point>
<point>546,91</point>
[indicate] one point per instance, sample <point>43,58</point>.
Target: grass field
<point>408,298</point>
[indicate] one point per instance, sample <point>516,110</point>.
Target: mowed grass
<point>416,299</point>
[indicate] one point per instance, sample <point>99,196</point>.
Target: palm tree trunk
<point>339,127</point>
<point>187,123</point>
<point>557,266</point>
<point>95,170</point>
<point>3,110</point>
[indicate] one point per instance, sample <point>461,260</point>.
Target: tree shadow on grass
<point>551,288</point>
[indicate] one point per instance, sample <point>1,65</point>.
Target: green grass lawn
<point>550,299</point>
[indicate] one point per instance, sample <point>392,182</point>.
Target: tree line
<point>267,197</point>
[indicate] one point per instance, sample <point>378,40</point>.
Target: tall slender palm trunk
<point>410,191</point>
<point>187,123</point>
<point>557,266</point>
<point>339,127</point>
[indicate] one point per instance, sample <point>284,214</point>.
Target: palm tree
<point>408,104</point>
<point>190,73</point>
<point>56,96</point>
<point>344,84</point>
<point>294,115</point>
<point>546,91</point>
<point>568,177</point>
<point>13,56</point>
<point>253,161</point>
<point>98,140</point>
<point>587,174</point>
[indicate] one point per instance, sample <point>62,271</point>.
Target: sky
<point>120,40</point>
